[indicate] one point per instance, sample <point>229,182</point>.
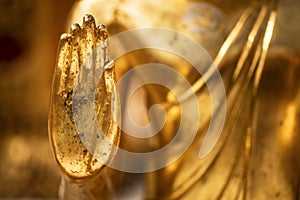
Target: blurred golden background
<point>29,33</point>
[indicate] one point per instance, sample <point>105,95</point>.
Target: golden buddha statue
<point>254,155</point>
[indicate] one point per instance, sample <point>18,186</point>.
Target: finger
<point>62,64</point>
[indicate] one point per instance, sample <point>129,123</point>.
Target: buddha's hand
<point>83,109</point>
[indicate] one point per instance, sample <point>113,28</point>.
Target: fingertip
<point>89,23</point>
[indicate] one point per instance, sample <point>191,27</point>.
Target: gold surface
<point>242,53</point>
<point>265,136</point>
<point>76,162</point>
